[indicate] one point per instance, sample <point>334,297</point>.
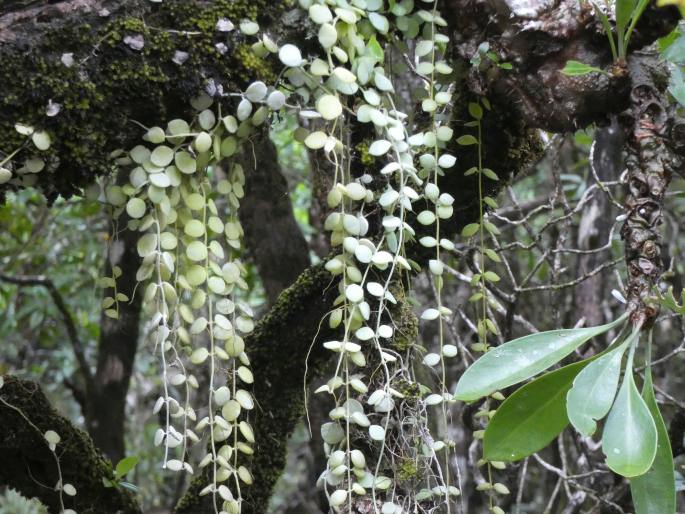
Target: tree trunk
<point>106,400</point>
<point>607,161</point>
<point>272,236</point>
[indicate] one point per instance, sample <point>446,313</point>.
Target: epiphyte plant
<point>634,438</point>
<point>626,15</point>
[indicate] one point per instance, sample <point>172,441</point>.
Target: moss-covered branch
<point>110,64</point>
<point>279,351</point>
<point>536,39</point>
<point>29,466</point>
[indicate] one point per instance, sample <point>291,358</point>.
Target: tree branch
<point>29,466</point>
<point>67,318</point>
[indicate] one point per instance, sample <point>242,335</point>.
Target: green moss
<point>22,445</point>
<point>111,84</point>
<point>410,390</point>
<point>407,470</point>
<point>365,157</point>
<point>406,322</point>
<point>254,68</point>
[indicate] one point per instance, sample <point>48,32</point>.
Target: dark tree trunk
<point>607,162</point>
<point>272,236</point>
<point>106,400</point>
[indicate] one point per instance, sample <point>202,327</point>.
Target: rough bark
<point>537,38</point>
<point>29,466</point>
<point>651,161</point>
<point>607,162</point>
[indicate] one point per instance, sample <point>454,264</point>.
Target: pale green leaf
<point>290,55</point>
<point>41,139</point>
<point>576,68</point>
<point>379,22</point>
<point>320,14</point>
<point>256,91</point>
<point>594,390</point>
<point>522,358</point>
<point>470,229</point>
<point>125,465</point>
<point>467,140</point>
<point>329,107</point>
<point>654,492</point>
<point>135,208</point>
<point>327,35</point>
<point>630,437</point>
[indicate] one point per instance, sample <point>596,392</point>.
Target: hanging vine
<point>183,194</point>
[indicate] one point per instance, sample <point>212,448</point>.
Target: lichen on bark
<point>107,82</point>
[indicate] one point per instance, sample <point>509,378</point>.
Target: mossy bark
<point>283,345</point>
<point>107,83</point>
<point>29,466</point>
<point>536,39</point>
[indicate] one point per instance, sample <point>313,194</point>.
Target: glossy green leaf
<point>522,358</point>
<point>594,390</point>
<point>629,439</point>
<point>607,28</point>
<point>125,465</point>
<point>638,8</point>
<point>624,9</point>
<point>678,92</point>
<point>532,417</point>
<point>654,492</point>
<point>575,68</point>
<point>675,51</point>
